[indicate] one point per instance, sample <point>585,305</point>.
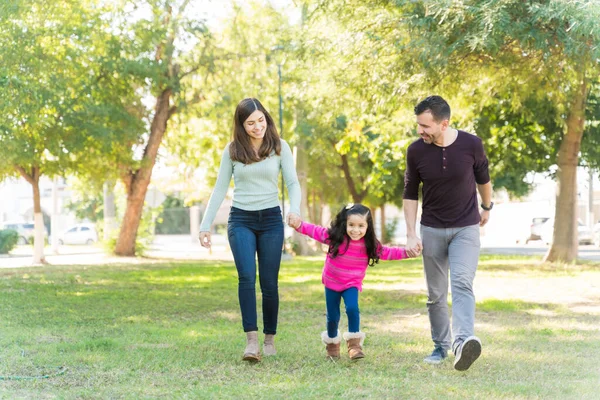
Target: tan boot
<point>332,345</point>
<point>269,345</point>
<point>355,341</point>
<point>252,352</point>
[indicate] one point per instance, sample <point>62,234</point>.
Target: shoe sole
<point>251,358</point>
<point>471,350</point>
<point>433,362</point>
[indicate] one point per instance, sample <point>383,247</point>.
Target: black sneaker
<point>437,356</point>
<point>466,353</point>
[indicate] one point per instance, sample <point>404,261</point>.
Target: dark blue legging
<point>253,233</point>
<point>332,301</point>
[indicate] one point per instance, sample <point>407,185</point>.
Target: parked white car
<point>79,234</point>
<point>597,234</point>
<point>583,232</point>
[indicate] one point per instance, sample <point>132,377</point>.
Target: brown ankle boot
<point>355,341</point>
<point>269,345</point>
<point>252,352</point>
<point>332,345</point>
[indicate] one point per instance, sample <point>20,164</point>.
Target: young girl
<point>352,248</point>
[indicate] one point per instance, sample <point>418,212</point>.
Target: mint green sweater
<point>255,185</point>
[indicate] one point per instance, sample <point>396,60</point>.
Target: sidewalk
<point>164,247</point>
<point>183,247</point>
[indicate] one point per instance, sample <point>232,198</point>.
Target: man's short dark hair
<point>437,106</point>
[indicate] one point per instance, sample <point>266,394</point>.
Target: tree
<point>561,40</point>
<point>351,100</point>
<point>52,69</point>
<point>166,54</point>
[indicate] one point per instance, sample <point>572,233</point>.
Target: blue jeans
<point>332,301</point>
<point>251,233</point>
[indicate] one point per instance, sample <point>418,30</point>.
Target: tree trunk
<point>313,208</point>
<point>565,242</point>
<point>383,231</point>
<point>39,238</point>
<point>303,248</point>
<point>136,183</point>
<point>356,196</point>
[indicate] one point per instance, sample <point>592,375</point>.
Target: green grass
<point>174,331</point>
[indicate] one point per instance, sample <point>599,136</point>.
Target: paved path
<point>182,247</point>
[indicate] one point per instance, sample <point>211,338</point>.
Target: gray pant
<point>456,249</point>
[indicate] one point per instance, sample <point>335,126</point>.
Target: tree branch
<point>28,177</point>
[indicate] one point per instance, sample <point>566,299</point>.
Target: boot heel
<point>332,345</point>
<point>354,341</point>
<point>252,352</point>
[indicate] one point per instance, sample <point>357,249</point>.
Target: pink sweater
<point>347,270</point>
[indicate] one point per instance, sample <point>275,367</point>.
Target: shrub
<point>8,240</point>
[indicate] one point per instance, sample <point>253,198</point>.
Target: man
<point>451,164</point>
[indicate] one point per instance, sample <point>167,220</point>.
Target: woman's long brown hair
<point>241,148</point>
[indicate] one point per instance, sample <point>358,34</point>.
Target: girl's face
<point>256,126</point>
<point>356,226</point>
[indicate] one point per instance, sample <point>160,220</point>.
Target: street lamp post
<point>280,61</point>
<point>281,134</point>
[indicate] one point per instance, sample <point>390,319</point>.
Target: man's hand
<point>484,217</point>
<point>205,239</point>
<point>294,220</point>
<point>414,246</point>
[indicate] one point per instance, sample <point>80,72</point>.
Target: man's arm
<point>485,191</point>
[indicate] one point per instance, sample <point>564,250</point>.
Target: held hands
<point>204,238</point>
<point>294,220</point>
<point>414,246</point>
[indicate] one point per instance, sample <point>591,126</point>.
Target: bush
<point>173,221</point>
<point>390,230</point>
<point>8,240</point>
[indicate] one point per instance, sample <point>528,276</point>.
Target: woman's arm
<point>290,177</point>
<point>219,191</point>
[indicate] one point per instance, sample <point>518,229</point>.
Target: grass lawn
<point>173,330</point>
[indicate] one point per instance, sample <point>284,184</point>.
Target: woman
<point>255,226</point>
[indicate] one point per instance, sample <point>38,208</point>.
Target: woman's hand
<point>205,239</point>
<point>294,220</point>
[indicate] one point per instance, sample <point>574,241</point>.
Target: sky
<point>214,11</point>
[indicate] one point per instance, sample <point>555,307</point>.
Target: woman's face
<point>256,126</point>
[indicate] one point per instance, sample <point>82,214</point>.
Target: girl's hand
<point>414,246</point>
<point>411,253</point>
<point>294,220</point>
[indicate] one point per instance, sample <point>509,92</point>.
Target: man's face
<point>430,130</point>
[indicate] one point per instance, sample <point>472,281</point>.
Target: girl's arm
<point>316,232</point>
<point>393,253</point>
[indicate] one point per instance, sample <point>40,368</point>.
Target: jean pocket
<point>272,211</point>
